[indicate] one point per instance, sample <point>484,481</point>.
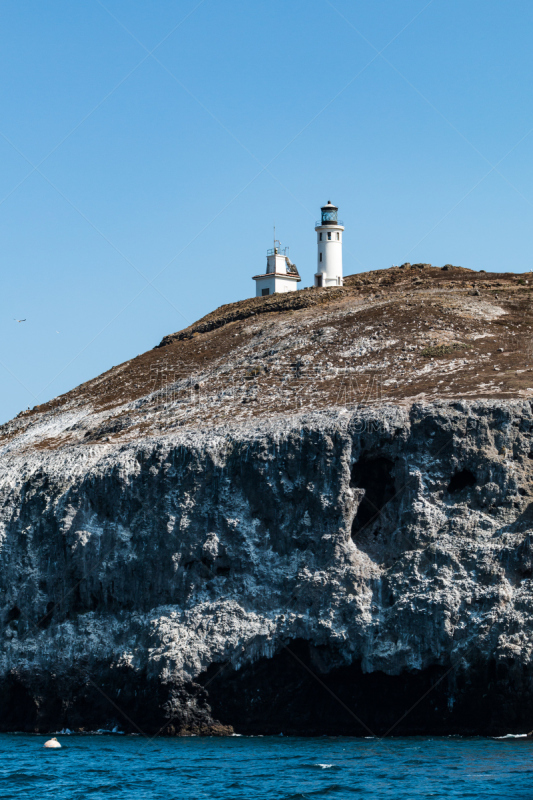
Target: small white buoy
<point>52,743</point>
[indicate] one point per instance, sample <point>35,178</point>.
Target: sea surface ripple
<point>277,768</point>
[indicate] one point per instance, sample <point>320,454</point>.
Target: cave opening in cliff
<point>461,480</point>
<point>375,476</point>
<point>289,692</point>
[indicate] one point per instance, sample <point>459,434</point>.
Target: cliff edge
<point>306,514</point>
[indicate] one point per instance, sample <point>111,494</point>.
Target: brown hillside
<point>395,335</point>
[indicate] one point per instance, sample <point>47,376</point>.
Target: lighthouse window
<point>329,235</point>
<point>338,236</point>
<point>264,292</point>
<point>320,256</point>
<point>320,236</point>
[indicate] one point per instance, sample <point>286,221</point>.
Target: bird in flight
<point>19,320</point>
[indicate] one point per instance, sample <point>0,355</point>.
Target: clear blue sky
<point>158,176</point>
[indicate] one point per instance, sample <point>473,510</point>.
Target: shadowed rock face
<point>282,694</point>
<point>314,574</point>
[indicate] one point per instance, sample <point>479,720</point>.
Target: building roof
<point>290,275</point>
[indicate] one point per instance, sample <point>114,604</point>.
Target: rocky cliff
<point>270,529</point>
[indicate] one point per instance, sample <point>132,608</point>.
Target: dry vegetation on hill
<point>396,335</point>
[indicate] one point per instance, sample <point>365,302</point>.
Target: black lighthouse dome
<point>329,214</point>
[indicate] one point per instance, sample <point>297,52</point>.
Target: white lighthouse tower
<point>329,240</point>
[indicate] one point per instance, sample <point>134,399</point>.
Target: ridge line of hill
<point>311,296</point>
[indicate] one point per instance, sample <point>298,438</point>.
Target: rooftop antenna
<point>274,237</point>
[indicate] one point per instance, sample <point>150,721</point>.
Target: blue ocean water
<point>253,768</point>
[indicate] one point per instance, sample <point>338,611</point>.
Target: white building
<point>329,240</point>
<point>281,274</point>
